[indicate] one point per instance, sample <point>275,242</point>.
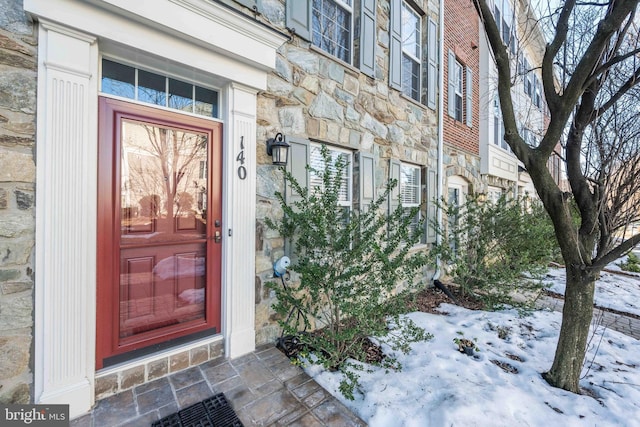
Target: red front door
<point>159,227</point>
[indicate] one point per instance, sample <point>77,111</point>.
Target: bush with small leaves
<point>493,249</point>
<point>349,267</point>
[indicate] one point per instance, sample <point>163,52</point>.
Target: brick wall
<point>462,37</point>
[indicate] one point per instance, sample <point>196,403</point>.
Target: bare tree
<point>598,72</point>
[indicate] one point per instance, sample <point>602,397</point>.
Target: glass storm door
<point>159,222</point>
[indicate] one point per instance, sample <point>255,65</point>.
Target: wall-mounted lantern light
<point>278,149</point>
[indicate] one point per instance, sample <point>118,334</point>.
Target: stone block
<point>326,107</point>
<point>310,83</point>
<point>178,362</point>
<point>8,288</point>
<point>106,386</point>
<point>132,377</point>
<point>303,58</point>
<point>199,355</point>
<point>14,353</point>
<point>15,311</point>
<point>16,166</point>
<point>18,90</point>
<point>15,251</point>
<point>19,394</point>
<point>24,200</point>
<point>157,369</point>
<point>216,349</point>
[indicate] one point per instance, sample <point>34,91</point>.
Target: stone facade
<point>18,53</point>
<point>316,96</point>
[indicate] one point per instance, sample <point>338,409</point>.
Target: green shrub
<point>349,267</point>
<point>631,264</point>
<point>491,246</point>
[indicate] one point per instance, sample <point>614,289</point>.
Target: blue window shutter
<point>299,152</point>
<point>469,90</point>
<point>298,17</point>
<point>432,66</point>
<point>297,162</point>
<point>452,86</point>
<point>368,37</point>
<point>395,45</point>
<point>432,205</point>
<point>367,180</point>
<point>248,3</point>
<point>394,194</point>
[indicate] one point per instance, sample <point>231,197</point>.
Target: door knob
<point>217,237</point>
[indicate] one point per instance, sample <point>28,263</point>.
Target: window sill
<point>327,55</point>
<point>414,102</point>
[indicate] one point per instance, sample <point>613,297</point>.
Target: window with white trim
<point>317,164</point>
<point>505,20</point>
<point>458,85</point>
<point>498,125</point>
<point>411,52</point>
<point>332,27</point>
<point>411,192</point>
<point>145,86</point>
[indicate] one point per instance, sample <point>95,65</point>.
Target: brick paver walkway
<point>263,387</point>
<point>618,322</point>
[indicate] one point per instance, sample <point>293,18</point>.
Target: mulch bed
<point>428,300</point>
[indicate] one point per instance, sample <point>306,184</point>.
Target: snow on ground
<point>439,386</point>
<point>616,291</point>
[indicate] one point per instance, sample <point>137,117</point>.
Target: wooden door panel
<point>160,191</point>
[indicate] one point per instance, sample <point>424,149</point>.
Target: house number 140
<point>242,171</point>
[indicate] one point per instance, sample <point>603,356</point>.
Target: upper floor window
<point>460,105</point>
<point>145,86</point>
<point>458,85</point>
<point>504,17</point>
<point>332,27</point>
<point>411,52</point>
<point>329,25</point>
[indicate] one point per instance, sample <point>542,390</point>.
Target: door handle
<point>217,237</point>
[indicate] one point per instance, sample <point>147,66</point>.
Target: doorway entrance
<point>159,228</point>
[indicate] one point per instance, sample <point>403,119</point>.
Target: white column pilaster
<point>65,273</point>
<point>241,219</point>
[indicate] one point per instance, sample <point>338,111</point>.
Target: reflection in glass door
<point>159,222</point>
<point>163,230</point>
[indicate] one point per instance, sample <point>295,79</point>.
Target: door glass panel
<point>180,95</point>
<point>163,182</point>
<point>152,88</point>
<point>118,79</point>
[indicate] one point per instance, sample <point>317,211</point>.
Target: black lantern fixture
<point>278,149</point>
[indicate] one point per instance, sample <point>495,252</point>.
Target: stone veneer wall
<point>18,63</point>
<point>314,95</point>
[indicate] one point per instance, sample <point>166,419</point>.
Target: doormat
<point>212,412</point>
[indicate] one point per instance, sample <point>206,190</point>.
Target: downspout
<point>440,167</point>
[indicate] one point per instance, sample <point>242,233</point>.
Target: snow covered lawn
<point>616,291</point>
<point>501,384</point>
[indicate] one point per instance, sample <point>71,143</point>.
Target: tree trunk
<point>576,319</point>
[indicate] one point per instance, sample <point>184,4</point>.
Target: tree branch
<point>615,253</point>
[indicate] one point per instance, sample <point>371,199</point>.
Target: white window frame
<point>459,89</point>
<point>348,172</point>
<point>347,6</point>
<point>408,205</point>
<point>412,92</point>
